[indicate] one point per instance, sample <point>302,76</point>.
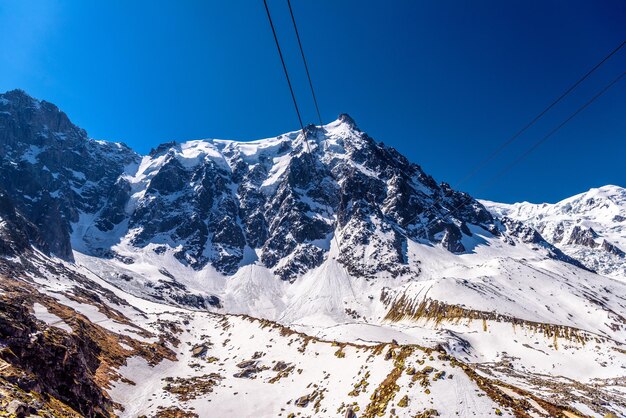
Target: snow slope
<point>236,365</point>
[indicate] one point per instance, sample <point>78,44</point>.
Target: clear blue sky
<point>444,82</point>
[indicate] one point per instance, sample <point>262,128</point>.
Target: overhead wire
<point>483,162</point>
<point>306,65</point>
<point>293,96</point>
<point>505,144</point>
<point>519,133</point>
<point>282,60</point>
<point>553,131</point>
<point>534,147</point>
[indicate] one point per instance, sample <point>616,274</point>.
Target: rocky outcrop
<point>583,236</point>
<point>522,231</point>
<point>612,249</point>
<point>579,226</point>
<point>530,235</point>
<point>54,362</point>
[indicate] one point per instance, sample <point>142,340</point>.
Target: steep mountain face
<point>176,224</point>
<point>590,227</point>
<point>148,271</point>
<point>216,206</point>
<point>214,202</point>
<point>283,200</point>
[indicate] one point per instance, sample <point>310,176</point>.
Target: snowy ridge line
<point>286,330</point>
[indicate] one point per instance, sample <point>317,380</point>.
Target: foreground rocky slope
<point>112,354</point>
<point>175,283</point>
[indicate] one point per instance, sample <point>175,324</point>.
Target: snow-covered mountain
<point>188,215</point>
<point>590,227</point>
<point>337,245</point>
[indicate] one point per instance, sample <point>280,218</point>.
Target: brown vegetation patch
<point>437,311</point>
<point>386,391</point>
<point>174,412</point>
<point>75,367</point>
<point>188,388</point>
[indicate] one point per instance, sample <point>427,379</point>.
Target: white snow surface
<point>42,313</point>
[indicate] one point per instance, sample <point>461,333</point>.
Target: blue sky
<point>444,82</point>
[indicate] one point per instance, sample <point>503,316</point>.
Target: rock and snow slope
<point>157,360</point>
<point>590,226</point>
<point>339,237</point>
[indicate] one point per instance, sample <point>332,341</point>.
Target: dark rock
<point>302,401</point>
<point>246,374</point>
<point>583,236</point>
<point>522,231</point>
<point>612,249</point>
<point>350,413</point>
<point>280,366</point>
<point>529,235</point>
<point>59,364</point>
<point>247,364</point>
<point>51,170</point>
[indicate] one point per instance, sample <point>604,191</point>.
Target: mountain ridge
<point>226,160</point>
<point>588,226</point>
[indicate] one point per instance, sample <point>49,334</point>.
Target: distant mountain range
<point>590,227</point>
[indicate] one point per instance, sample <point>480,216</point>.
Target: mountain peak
<point>608,190</point>
<point>347,119</point>
<point>19,97</point>
<point>16,93</point>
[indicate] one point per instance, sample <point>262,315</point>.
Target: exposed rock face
<point>583,236</point>
<point>612,249</point>
<point>58,364</point>
<point>51,170</point>
<point>17,235</point>
<point>529,235</point>
<point>524,232</point>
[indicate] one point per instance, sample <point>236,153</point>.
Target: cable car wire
<point>282,60</point>
<point>534,146</point>
<point>505,144</point>
<point>293,96</point>
<point>306,66</point>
